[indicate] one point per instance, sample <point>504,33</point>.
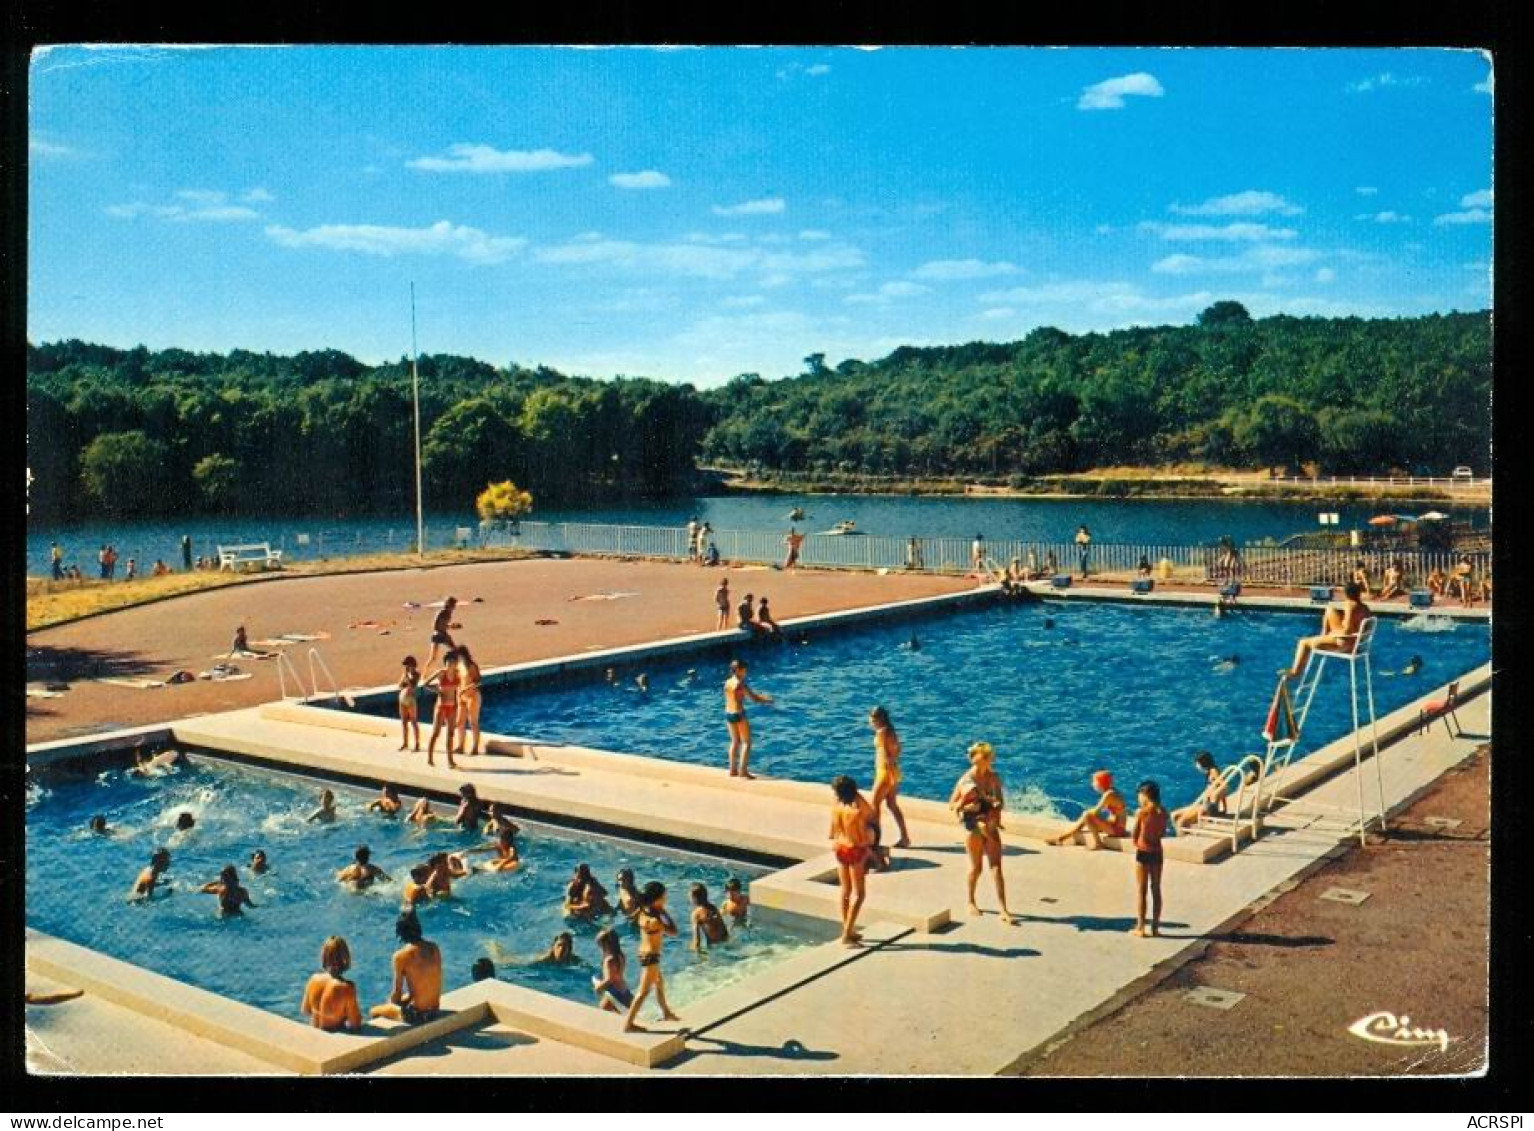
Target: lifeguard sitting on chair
<point>1339,629</point>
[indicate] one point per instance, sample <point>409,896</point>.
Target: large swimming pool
<point>1060,689</point>
<point>77,883</point>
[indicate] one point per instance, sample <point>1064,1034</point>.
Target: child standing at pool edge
<point>1150,826</point>
<point>409,707</point>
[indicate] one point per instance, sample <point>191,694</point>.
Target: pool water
<point>1059,689</point>
<point>77,883</point>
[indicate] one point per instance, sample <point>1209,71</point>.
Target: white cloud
<point>1366,190</point>
<point>1110,93</point>
<point>892,290</point>
<point>1482,199</point>
<point>212,210</point>
<point>1122,303</point>
<point>1242,231</point>
<point>1326,275</point>
<point>1469,216</point>
<point>257,195</point>
<point>1380,81</point>
<point>1265,258</point>
<point>743,302</point>
<point>996,313</point>
<point>441,238</point>
<point>711,238</point>
<point>818,69</point>
<point>485,159</point>
<point>814,234</point>
<point>948,269</point>
<point>1252,202</point>
<point>220,212</point>
<point>202,196</point>
<point>769,206</point>
<point>1386,217</point>
<point>40,148</point>
<point>1103,229</point>
<point>705,261</point>
<point>649,179</point>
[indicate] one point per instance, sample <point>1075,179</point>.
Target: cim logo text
<point>1388,1029</point>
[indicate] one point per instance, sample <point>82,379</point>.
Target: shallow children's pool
<point>77,883</point>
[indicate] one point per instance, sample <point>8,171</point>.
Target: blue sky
<point>694,214</point>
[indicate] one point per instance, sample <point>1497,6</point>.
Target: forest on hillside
<point>141,432</point>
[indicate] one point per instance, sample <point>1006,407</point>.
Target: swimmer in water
<point>611,676</point>
<point>143,887</point>
<point>642,682</point>
<point>1049,622</point>
<point>327,810</point>
<point>418,890</point>
<point>1227,663</point>
<point>361,872</point>
<point>232,898</point>
<point>915,643</point>
<point>737,904</point>
<point>1413,666</point>
<point>99,826</point>
<point>258,864</point>
<point>422,814</point>
<point>561,952</point>
<point>387,803</point>
<point>184,821</point>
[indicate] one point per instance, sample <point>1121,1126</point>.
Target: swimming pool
<point>77,883</point>
<point>1060,689</point>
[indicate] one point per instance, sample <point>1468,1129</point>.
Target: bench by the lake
<point>256,553</point>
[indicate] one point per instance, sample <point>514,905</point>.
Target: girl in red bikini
<point>852,820</point>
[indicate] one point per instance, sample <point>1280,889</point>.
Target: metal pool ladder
<point>317,664</point>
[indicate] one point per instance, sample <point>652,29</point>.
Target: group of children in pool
<point>331,1001</point>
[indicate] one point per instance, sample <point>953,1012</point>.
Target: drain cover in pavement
<point>1442,822</point>
<point>1048,899</point>
<point>1344,895</point>
<point>1213,998</point>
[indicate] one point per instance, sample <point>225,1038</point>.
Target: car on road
<point>1463,472</point>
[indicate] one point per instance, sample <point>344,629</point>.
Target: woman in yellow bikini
<point>654,925</point>
<point>887,771</point>
<point>978,800</point>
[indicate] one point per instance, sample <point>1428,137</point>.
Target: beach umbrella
<point>1383,520</point>
<point>1432,516</point>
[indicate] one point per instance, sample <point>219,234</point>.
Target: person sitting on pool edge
<point>1106,818</point>
<point>329,999</point>
<point>1211,802</point>
<point>361,872</point>
<point>417,992</point>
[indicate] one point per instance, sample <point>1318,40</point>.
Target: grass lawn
<point>59,602</point>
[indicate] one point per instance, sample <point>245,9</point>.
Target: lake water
<point>1154,521</point>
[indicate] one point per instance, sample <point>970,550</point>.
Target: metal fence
<point>1451,483</point>
<point>1272,565</point>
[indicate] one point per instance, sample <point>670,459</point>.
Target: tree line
<point>136,431</point>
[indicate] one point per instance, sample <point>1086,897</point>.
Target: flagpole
<point>415,387</point>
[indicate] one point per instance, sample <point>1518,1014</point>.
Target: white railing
<point>1274,565</point>
<point>1450,482</point>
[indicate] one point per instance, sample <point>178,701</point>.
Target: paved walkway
<point>659,600</point>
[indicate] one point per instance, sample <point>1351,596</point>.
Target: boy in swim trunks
<point>707,923</point>
<point>143,887</point>
<point>736,692</point>
<point>737,904</point>
<point>852,835</point>
<point>417,992</point>
<point>1150,826</point>
<point>440,628</point>
<point>361,872</point>
<point>722,603</point>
